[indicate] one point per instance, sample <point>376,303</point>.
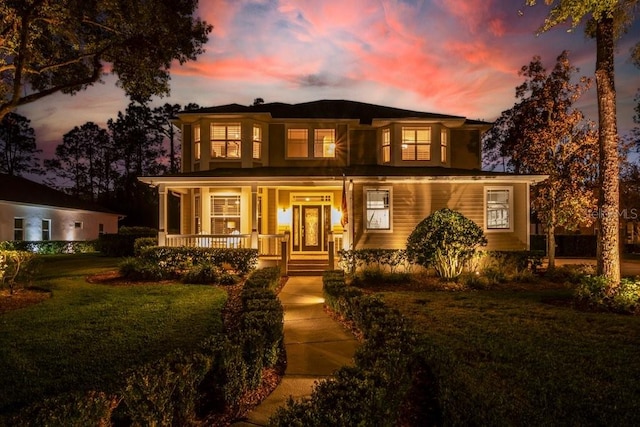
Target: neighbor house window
<point>225,214</point>
<point>386,145</point>
<point>225,140</point>
<point>324,143</point>
<point>46,229</point>
<point>416,143</point>
<point>196,142</point>
<point>297,143</point>
<point>444,145</point>
<point>377,209</point>
<point>257,142</point>
<point>100,228</point>
<point>18,229</point>
<point>77,224</point>
<point>499,208</point>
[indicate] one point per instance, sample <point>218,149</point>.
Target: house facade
<point>34,212</point>
<point>355,174</point>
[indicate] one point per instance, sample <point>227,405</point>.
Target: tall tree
<point>18,149</point>
<point>51,46</point>
<point>85,161</point>
<point>163,117</point>
<point>544,134</point>
<point>607,21</point>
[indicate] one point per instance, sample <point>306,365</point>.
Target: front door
<point>311,223</point>
<point>311,230</point>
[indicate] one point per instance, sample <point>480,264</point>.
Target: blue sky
<point>458,57</point>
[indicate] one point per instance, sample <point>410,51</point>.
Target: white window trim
<point>364,210</point>
<point>47,221</point>
<point>511,212</point>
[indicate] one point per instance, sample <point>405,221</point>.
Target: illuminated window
<point>46,229</point>
<point>225,140</point>
<point>444,144</point>
<point>324,143</point>
<point>18,229</point>
<point>257,142</point>
<point>416,143</point>
<point>297,143</point>
<point>499,208</point>
<point>196,142</point>
<point>386,145</point>
<point>196,214</point>
<point>225,214</point>
<point>377,209</point>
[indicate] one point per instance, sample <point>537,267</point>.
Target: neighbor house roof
<point>329,109</point>
<point>22,190</point>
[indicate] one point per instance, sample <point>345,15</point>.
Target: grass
<point>87,335</point>
<point>526,357</point>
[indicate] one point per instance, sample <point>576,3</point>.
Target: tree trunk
<point>551,248</point>
<point>608,199</point>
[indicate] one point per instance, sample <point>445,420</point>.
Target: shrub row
<point>181,388</point>
<point>389,260</point>
<point>121,244</point>
<point>176,259</point>
<point>374,391</point>
<point>50,247</point>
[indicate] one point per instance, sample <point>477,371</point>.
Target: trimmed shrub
<point>204,273</point>
<point>50,247</point>
<point>143,242</point>
<point>140,270</point>
<point>18,268</point>
<point>445,240</point>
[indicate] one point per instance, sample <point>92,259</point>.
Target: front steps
<point>307,267</point>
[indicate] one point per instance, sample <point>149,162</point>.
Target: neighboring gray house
<point>34,212</point>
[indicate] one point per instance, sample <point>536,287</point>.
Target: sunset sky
<point>458,57</point>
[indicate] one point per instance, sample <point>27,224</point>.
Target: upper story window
<point>324,143</point>
<point>197,151</point>
<point>416,143</point>
<point>444,145</point>
<point>499,208</point>
<point>377,209</point>
<point>225,140</point>
<point>257,142</point>
<point>386,145</point>
<point>297,143</point>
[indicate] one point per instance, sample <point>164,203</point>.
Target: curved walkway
<point>316,346</point>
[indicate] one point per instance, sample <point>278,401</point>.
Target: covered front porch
<point>283,221</point>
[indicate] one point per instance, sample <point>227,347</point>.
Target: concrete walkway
<point>316,346</point>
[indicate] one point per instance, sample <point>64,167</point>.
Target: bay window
<point>416,143</point>
<point>225,140</point>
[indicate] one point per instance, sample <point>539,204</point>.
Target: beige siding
<point>187,213</point>
<point>411,203</point>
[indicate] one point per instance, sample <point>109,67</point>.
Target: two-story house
<point>358,173</point>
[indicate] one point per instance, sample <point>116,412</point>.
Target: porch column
<point>162,214</point>
<point>254,217</point>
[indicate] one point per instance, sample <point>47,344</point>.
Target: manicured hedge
<point>182,388</point>
<point>50,247</point>
<point>376,390</point>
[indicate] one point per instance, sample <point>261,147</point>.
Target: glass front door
<point>310,226</point>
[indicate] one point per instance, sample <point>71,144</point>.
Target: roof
<point>22,190</point>
<point>361,171</point>
<point>329,109</point>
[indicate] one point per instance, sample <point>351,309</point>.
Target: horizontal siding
<point>414,202</point>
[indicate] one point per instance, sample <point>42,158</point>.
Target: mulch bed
<point>21,298</point>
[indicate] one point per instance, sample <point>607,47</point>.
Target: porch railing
<point>269,245</point>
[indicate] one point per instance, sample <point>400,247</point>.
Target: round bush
<point>445,240</point>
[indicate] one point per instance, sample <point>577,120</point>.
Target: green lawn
<point>86,335</point>
<point>527,357</point>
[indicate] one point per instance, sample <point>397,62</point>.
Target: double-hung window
<point>416,143</point>
<point>324,143</point>
<point>444,145</point>
<point>18,229</point>
<point>377,209</point>
<point>499,208</point>
<point>225,140</point>
<point>386,145</point>
<point>298,143</point>
<point>46,229</point>
<point>225,214</point>
<point>197,150</point>
<point>257,142</point>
